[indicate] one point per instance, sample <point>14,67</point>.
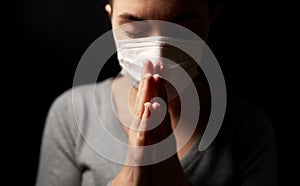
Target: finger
<point>157,68</point>
<point>156,77</point>
<point>154,135</point>
<point>146,72</point>
<point>141,85</point>
<point>147,69</point>
<point>161,120</point>
<point>161,68</point>
<point>143,134</point>
<point>145,117</point>
<point>160,87</point>
<point>144,95</point>
<point>155,106</point>
<point>137,132</point>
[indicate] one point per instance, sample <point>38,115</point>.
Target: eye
<point>136,34</point>
<point>135,30</point>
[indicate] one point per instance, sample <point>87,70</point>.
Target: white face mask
<point>132,53</point>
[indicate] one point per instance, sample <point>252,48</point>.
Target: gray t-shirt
<point>76,149</point>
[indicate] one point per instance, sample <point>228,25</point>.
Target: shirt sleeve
<point>258,162</point>
<point>57,164</point>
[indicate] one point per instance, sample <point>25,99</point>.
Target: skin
<point>193,15</point>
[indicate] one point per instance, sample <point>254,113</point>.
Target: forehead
<point>159,9</point>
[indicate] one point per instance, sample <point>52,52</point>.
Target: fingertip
<point>148,67</point>
<point>156,77</point>
<point>156,67</point>
<point>158,62</point>
<point>147,104</point>
<point>155,106</point>
<point>161,67</point>
<point>146,113</point>
<point>147,62</point>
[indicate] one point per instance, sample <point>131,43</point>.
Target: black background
<point>44,40</point>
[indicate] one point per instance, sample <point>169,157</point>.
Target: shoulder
<point>245,123</point>
<point>71,109</point>
<point>246,116</point>
<point>71,114</point>
<point>249,130</point>
<point>253,142</point>
<point>79,96</point>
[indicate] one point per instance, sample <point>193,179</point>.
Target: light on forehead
<point>166,10</point>
<point>149,28</point>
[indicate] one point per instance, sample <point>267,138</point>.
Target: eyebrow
<point>130,17</point>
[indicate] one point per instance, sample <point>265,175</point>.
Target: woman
<point>242,154</point>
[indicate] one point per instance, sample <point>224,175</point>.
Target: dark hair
<point>212,4</point>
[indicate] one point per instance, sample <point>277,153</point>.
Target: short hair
<point>212,5</point>
<point>211,2</point>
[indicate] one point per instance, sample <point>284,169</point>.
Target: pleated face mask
<point>132,53</point>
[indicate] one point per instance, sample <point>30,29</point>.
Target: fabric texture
<point>243,153</point>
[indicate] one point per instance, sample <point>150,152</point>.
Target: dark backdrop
<point>44,40</point>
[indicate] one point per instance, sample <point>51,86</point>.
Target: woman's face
<point>192,14</point>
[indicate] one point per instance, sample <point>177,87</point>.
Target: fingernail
<point>147,104</point>
<point>155,106</point>
<point>145,61</point>
<point>156,76</point>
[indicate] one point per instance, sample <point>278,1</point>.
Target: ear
<point>108,9</point>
